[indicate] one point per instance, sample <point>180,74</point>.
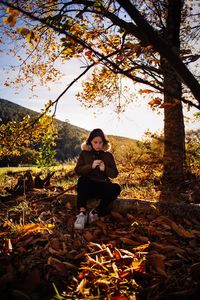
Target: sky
<point>133,123</point>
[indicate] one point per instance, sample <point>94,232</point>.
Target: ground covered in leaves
<point>139,254</point>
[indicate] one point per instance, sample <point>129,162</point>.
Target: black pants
<point>87,189</point>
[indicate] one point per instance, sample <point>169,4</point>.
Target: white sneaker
<point>93,216</point>
<point>81,220</point>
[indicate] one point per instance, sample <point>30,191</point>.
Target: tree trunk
<point>174,135</point>
<point>174,131</point>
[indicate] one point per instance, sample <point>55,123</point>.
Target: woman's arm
<point>82,168</point>
<point>110,167</point>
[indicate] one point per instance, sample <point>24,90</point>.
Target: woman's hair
<point>94,133</point>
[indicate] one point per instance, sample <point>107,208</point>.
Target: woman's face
<point>97,143</point>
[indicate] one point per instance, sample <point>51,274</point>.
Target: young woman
<point>95,166</point>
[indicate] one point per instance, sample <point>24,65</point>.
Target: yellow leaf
<point>141,248</point>
<point>50,226</point>
<point>81,286</point>
<point>32,227</point>
<point>136,264</point>
<point>30,37</point>
<point>68,51</point>
<point>5,19</point>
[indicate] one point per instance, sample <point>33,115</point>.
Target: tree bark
<point>174,131</point>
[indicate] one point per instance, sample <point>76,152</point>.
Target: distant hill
<point>70,136</point>
<point>15,112</point>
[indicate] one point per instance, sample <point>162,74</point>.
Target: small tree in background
<point>46,154</point>
<point>22,138</point>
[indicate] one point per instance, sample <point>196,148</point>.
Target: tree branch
<point>162,47</point>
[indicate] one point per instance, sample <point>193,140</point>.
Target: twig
<point>58,195</point>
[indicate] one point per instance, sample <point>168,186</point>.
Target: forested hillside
<point>69,138</point>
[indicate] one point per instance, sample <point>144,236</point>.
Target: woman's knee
<point>113,190</point>
<point>116,189</point>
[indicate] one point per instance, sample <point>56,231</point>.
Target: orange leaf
<point>101,224</point>
<point>116,215</point>
<point>11,20</point>
<point>157,262</point>
<point>146,91</point>
<point>127,241</point>
<point>88,53</point>
<point>12,11</point>
<point>88,236</point>
<point>181,231</point>
<point>125,274</point>
<point>62,267</point>
<point>117,254</point>
<point>155,101</point>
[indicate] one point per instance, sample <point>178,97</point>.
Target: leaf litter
<point>139,254</point>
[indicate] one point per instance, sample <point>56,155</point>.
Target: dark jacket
<point>86,158</point>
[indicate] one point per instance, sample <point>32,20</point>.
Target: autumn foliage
<point>17,138</point>
<point>135,254</point>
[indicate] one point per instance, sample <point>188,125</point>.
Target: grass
<point>33,169</point>
<point>8,175</point>
<point>132,187</point>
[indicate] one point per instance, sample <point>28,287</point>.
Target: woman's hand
<point>102,166</point>
<point>96,163</point>
<point>100,163</point>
